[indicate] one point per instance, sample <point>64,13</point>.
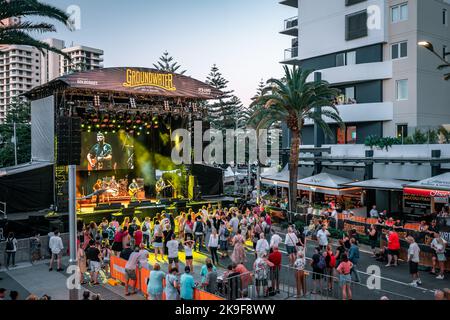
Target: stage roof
<point>129,81</point>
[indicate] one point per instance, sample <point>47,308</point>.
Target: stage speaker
<point>106,206</point>
<point>180,203</point>
<point>165,201</point>
<point>128,212</point>
<point>68,133</point>
<point>191,187</point>
<point>134,204</point>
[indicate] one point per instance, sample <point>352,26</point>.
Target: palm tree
<point>294,100</point>
<point>18,33</point>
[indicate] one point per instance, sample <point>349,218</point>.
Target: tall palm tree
<point>294,100</point>
<point>19,33</point>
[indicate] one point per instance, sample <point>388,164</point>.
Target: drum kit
<point>115,188</point>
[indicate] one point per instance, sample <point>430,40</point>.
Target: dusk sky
<point>240,36</point>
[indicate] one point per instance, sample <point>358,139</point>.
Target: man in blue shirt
<point>187,285</point>
<point>353,256</point>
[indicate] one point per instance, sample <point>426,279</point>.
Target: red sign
<point>426,192</point>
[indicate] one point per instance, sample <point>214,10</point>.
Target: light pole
<point>73,292</point>
<point>429,46</point>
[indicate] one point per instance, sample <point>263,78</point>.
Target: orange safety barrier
<point>117,270</point>
<point>372,221</point>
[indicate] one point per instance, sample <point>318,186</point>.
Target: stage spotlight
<point>166,106</point>
<point>133,103</point>
<point>97,101</point>
<point>97,126</point>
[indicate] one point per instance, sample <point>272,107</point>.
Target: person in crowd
<point>94,258</point>
<point>213,245</point>
<point>106,255</point>
<point>11,249</point>
<point>146,228</point>
<point>291,241</point>
<point>374,212</point>
<point>439,295</point>
<point>433,227</point>
<point>246,277</point>
<point>172,285</point>
<point>353,256</point>
<point>143,256</point>
<point>423,227</point>
<point>166,224</point>
<point>82,263</point>
<point>138,236</point>
<point>173,248</point>
<point>275,258</point>
<point>318,265</point>
<point>86,295</point>
<point>262,246</point>
<point>340,250</point>
<point>126,253</point>
<point>299,266</point>
<point>393,247</point>
<point>439,246</point>
<point>56,247</point>
<point>234,224</point>
<point>13,295</point>
<point>2,294</point>
<point>210,281</point>
<point>224,233</point>
<point>238,256</point>
<point>130,272</point>
<point>187,285</point>
<point>188,251</point>
<point>199,232</point>
<point>117,245</point>
<point>208,230</point>
<point>373,239</point>
<point>322,237</point>
<point>188,227</point>
<point>330,260</point>
<point>413,260</point>
<point>390,222</point>
<point>126,238</point>
<point>158,240</point>
<point>155,283</point>
<point>275,240</point>
<point>261,268</point>
<point>344,269</point>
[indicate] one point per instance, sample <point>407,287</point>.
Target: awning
<point>326,183</point>
<point>380,184</point>
<point>281,179</point>
<point>438,186</point>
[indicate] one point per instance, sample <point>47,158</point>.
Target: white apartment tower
<point>368,49</point>
<point>23,68</point>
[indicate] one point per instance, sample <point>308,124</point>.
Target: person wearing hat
<point>100,155</point>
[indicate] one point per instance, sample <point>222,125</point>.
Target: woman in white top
<point>438,245</point>
<point>291,241</point>
<point>213,245</point>
<point>188,246</point>
<point>299,266</point>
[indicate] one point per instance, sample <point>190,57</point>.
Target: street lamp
<point>429,46</point>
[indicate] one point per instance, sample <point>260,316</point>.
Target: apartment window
<point>399,12</point>
<point>402,89</point>
<point>356,25</point>
<point>347,135</point>
<point>349,94</point>
<point>445,17</point>
<point>399,50</point>
<point>345,58</point>
<point>402,131</point>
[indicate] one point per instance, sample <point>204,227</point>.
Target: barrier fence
<point>308,285</point>
<point>117,270</point>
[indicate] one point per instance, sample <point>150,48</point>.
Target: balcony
<point>357,72</point>
<point>290,27</point>
<point>290,55</point>
<point>290,3</point>
<point>363,112</point>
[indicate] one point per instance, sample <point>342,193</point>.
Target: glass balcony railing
<point>291,53</point>
<point>291,23</point>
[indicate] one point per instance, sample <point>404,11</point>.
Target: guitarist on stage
<point>100,155</point>
<point>133,189</point>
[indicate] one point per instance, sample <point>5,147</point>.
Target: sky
<point>240,36</point>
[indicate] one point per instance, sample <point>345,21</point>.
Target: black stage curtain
<point>209,179</point>
<point>28,190</point>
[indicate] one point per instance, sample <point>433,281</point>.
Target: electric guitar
<point>95,163</point>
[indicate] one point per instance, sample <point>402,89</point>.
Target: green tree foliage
<point>19,33</point>
<point>19,113</point>
<point>168,64</point>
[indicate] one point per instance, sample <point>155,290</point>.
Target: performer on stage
<point>159,187</point>
<point>133,189</point>
<point>98,191</point>
<point>113,187</point>
<point>100,155</point>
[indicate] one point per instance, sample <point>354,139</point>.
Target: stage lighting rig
<point>96,101</point>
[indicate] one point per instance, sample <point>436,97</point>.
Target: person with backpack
<point>199,229</point>
<point>330,260</point>
<point>353,256</point>
<point>11,249</point>
<point>261,268</point>
<point>318,265</point>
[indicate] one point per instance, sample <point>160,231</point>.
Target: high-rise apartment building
<point>82,59</point>
<point>368,49</point>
